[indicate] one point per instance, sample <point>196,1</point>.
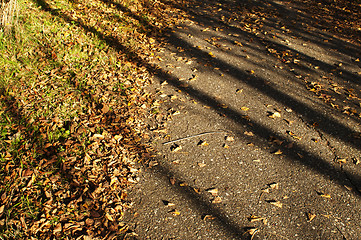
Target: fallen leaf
<point>310,216</point>
<point>356,161</point>
<point>274,115</point>
<point>273,185</point>
<point>229,138</point>
<point>324,195</point>
<point>253,218</point>
<point>275,203</point>
<point>225,146</point>
<point>266,190</point>
<point>175,212</point>
<point>183,184</point>
<point>176,161</point>
<point>194,77</point>
<point>238,43</point>
<point>252,231</point>
<point>217,200</point>
<point>202,164</point>
<point>202,143</point>
<point>248,133</point>
<point>278,152</point>
<point>109,217</point>
<point>172,180</point>
<point>57,229</point>
<point>213,191</point>
<point>244,108</point>
<point>341,160</point>
<point>210,217</point>
<point>175,148</point>
<point>167,203</point>
<point>2,209</point>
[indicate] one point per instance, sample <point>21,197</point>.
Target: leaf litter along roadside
<point>72,118</point>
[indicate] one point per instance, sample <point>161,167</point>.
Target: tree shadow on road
<point>315,118</point>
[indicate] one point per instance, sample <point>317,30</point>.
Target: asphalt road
<point>263,129</point>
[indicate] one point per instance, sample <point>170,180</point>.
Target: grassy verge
<point>71,108</point>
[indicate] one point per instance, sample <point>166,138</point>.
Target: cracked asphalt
<point>261,136</point>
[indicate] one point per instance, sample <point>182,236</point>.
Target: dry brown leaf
<point>217,200</point>
<point>194,77</point>
<point>175,212</point>
<point>275,203</point>
<point>210,217</point>
<point>248,133</point>
<point>274,115</point>
<point>310,216</point>
<point>57,229</point>
<point>213,191</point>
<point>229,138</point>
<point>175,148</point>
<point>172,180</point>
<point>274,185</point>
<point>202,143</point>
<point>202,164</point>
<point>2,209</point>
<point>253,218</point>
<point>324,195</point>
<point>167,203</point>
<point>252,231</point>
<point>341,160</point>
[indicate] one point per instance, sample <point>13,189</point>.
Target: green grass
<point>58,69</point>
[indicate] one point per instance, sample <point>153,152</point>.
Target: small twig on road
<point>197,135</point>
<point>343,235</point>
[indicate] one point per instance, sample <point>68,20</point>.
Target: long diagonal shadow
<point>325,123</point>
<point>314,162</point>
<point>205,19</point>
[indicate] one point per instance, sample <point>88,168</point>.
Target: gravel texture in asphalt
<point>263,129</point>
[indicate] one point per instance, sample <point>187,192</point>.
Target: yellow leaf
<point>244,108</point>
<point>175,212</point>
<point>202,143</point>
<point>310,216</point>
<point>341,160</point>
<point>278,152</point>
<point>276,203</point>
<point>326,195</point>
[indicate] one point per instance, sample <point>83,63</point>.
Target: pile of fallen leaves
<point>73,109</point>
